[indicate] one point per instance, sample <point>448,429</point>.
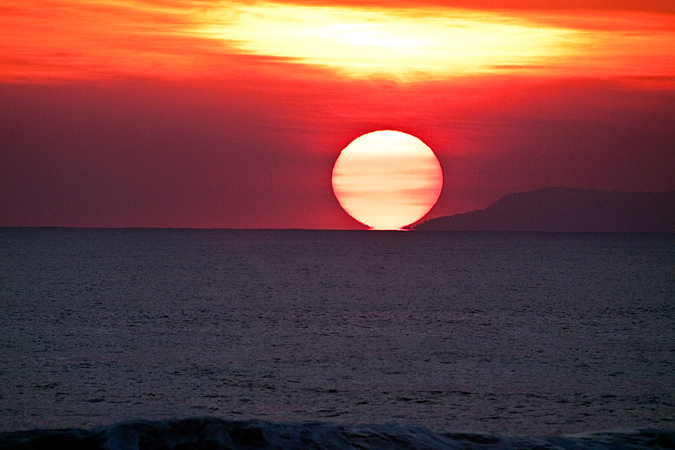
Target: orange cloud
<point>506,5</point>
<point>80,39</point>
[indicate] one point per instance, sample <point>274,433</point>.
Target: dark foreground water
<point>511,333</point>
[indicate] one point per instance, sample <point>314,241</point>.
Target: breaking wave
<point>215,434</point>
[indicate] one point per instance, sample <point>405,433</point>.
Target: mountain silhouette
<point>560,209</point>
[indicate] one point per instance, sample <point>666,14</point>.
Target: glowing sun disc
<point>387,179</point>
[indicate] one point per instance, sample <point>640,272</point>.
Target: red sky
<point>166,113</point>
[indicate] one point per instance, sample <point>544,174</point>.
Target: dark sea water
<point>266,338</point>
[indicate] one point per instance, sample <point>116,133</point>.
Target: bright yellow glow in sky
<point>436,43</point>
<point>109,39</point>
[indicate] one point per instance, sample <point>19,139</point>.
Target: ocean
<point>132,338</point>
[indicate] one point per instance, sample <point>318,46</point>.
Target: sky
<point>231,114</point>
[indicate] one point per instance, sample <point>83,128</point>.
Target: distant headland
<point>561,209</point>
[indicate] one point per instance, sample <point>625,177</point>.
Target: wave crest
<point>207,433</point>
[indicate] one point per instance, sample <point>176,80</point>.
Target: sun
<point>387,179</point>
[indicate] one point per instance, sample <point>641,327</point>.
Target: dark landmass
<point>558,209</point>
